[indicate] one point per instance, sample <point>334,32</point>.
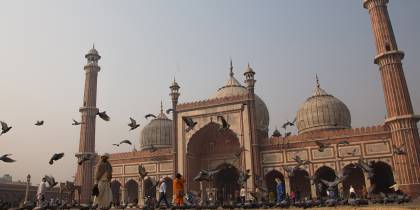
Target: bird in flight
<point>149,115</point>
<point>4,128</point>
<point>103,115</point>
<point>190,123</point>
<point>77,123</point>
<point>225,125</point>
<point>133,124</point>
<point>39,122</point>
<point>5,158</point>
<point>56,157</point>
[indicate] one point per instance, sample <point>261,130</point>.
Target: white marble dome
<point>233,88</point>
<point>322,111</point>
<point>157,134</point>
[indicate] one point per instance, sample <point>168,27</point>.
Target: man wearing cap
<point>103,180</point>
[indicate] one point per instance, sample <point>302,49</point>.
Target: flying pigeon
<point>133,124</point>
<point>152,148</point>
<point>291,170</point>
<point>39,122</point>
<point>287,134</point>
<point>77,123</point>
<point>189,122</point>
<point>6,159</point>
<point>321,146</point>
<point>4,128</point>
<point>225,125</point>
<point>149,115</point>
<point>84,158</point>
<point>276,133</point>
<point>398,150</point>
<point>103,115</point>
<point>125,142</point>
<point>51,181</point>
<point>55,157</point>
<point>288,123</point>
<point>169,110</point>
<point>142,171</point>
<point>365,167</point>
<point>312,178</point>
<point>299,160</point>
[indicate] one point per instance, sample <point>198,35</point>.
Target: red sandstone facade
<point>321,118</point>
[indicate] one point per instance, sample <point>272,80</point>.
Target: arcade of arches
<point>211,148</point>
<point>132,191</point>
<point>381,181</point>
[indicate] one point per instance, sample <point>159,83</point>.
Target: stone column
<point>287,184</point>
<point>123,195</point>
<point>313,190</point>
<point>401,119</point>
<point>203,194</point>
<point>28,184</point>
<point>141,193</point>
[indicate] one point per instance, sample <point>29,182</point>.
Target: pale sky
<point>144,44</point>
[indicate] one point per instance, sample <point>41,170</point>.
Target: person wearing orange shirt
<point>179,190</point>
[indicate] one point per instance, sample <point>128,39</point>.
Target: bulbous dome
<point>233,88</point>
<point>157,134</point>
<point>322,111</point>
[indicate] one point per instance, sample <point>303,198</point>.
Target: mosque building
<point>168,146</point>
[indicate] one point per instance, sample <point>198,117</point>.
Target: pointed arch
<point>355,179</point>
<point>327,174</point>
<point>270,180</point>
<point>383,177</point>
<point>116,193</point>
<point>132,191</point>
<point>300,184</point>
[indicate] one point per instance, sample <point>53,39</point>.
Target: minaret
<point>400,116</point>
<point>84,176</point>
<point>174,97</point>
<point>250,84</point>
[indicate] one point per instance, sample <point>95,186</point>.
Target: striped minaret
<point>84,176</point>
<point>400,116</point>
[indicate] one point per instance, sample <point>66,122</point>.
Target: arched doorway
<point>115,188</point>
<point>207,148</point>
<point>149,190</point>
<point>300,184</point>
<point>270,180</point>
<point>132,192</point>
<point>383,178</point>
<point>226,182</point>
<point>355,179</point>
<point>325,173</point>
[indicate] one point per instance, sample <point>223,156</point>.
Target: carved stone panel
<point>165,166</point>
<point>377,148</point>
<point>150,167</point>
<point>346,151</point>
<point>117,170</point>
<point>303,154</point>
<point>327,153</point>
<point>272,157</point>
<point>131,169</point>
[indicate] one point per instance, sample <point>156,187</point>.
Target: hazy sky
<point>144,44</point>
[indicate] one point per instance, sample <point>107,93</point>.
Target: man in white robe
<point>103,180</point>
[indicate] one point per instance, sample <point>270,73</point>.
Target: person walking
<point>103,180</point>
<point>179,190</point>
<point>162,193</point>
<point>280,190</point>
<point>40,195</point>
<point>242,194</point>
<point>352,192</point>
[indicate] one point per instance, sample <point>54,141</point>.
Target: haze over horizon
<point>145,44</point>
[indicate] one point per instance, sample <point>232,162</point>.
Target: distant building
<point>6,178</point>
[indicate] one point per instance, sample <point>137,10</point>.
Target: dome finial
<point>93,47</point>
<point>317,81</point>
<point>161,107</point>
<point>231,68</point>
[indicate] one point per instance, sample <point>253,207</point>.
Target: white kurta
<point>105,193</point>
<point>41,191</point>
